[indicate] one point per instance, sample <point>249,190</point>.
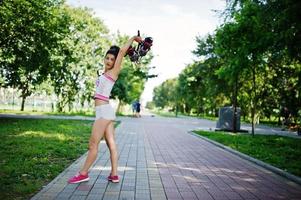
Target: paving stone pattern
<point>158,159</point>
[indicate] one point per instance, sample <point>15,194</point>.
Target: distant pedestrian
<point>134,108</point>
<point>138,105</point>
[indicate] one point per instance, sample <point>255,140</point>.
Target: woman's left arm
<point>122,52</point>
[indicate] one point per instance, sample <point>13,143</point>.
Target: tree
<point>267,33</point>
<point>280,19</point>
<point>165,94</point>
<point>217,90</point>
<point>252,61</point>
<point>78,57</point>
<point>29,31</point>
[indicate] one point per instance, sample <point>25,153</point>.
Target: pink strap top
<point>104,86</point>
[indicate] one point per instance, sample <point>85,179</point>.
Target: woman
<point>105,115</point>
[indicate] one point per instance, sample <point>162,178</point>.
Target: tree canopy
<point>48,44</point>
<point>252,60</point>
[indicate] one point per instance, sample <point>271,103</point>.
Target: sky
<point>173,25</point>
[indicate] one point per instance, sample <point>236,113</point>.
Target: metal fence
<point>10,99</point>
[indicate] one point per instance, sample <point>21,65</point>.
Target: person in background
<point>138,107</point>
<point>134,108</point>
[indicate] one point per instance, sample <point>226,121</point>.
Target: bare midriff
<point>99,102</point>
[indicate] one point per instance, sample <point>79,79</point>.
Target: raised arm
<point>122,52</point>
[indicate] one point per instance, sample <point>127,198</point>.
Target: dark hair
<point>113,50</point>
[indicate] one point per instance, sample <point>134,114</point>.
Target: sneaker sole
<point>79,181</point>
<point>114,181</point>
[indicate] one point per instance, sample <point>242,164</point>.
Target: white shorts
<point>105,111</point>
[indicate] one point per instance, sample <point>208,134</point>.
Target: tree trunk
<point>25,93</point>
<point>235,106</point>
<point>253,119</point>
<point>70,106</point>
<point>279,117</point>
<point>60,105</point>
<point>23,103</point>
<point>52,107</point>
<point>253,106</point>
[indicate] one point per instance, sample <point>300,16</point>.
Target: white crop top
<point>104,86</point>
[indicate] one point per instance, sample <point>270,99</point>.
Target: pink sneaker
<point>114,179</point>
<point>78,178</point>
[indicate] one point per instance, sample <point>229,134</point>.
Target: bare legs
<point>109,136</point>
<point>100,128</point>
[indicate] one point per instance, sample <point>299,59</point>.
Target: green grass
<point>35,151</point>
<point>172,114</point>
<point>9,111</point>
<point>27,112</point>
<point>281,152</point>
<point>78,113</point>
<point>213,118</point>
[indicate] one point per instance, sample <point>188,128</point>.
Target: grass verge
<point>281,152</point>
<point>35,151</point>
<point>27,112</point>
<point>172,114</point>
<point>78,113</point>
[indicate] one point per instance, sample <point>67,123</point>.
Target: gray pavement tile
<point>127,195</point>
<point>100,186</point>
<point>78,197</point>
<point>184,188</point>
<point>113,187</point>
<point>158,197</point>
<point>129,182</point>
<point>203,194</point>
<point>173,195</point>
<point>142,187</point>
<point>142,194</point>
<point>84,187</point>
<point>47,197</point>
<point>128,188</point>
<point>188,195</point>
<point>97,191</point>
<point>80,193</point>
<point>155,185</point>
<point>94,197</point>
<point>68,190</point>
<point>111,195</point>
<point>62,198</point>
<point>233,195</point>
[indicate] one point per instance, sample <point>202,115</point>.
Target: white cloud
<point>170,9</point>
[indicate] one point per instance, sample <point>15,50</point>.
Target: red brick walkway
<point>158,159</point>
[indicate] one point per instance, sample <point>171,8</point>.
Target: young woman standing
<point>105,115</point>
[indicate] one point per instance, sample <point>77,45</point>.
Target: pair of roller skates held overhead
<point>135,53</point>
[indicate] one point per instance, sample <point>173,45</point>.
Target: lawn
<point>279,151</point>
<point>77,113</point>
<point>29,112</point>
<point>35,151</point>
<point>172,114</point>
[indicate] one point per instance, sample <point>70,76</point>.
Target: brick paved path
<point>159,160</point>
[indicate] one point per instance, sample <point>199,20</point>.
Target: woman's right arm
<point>122,53</point>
